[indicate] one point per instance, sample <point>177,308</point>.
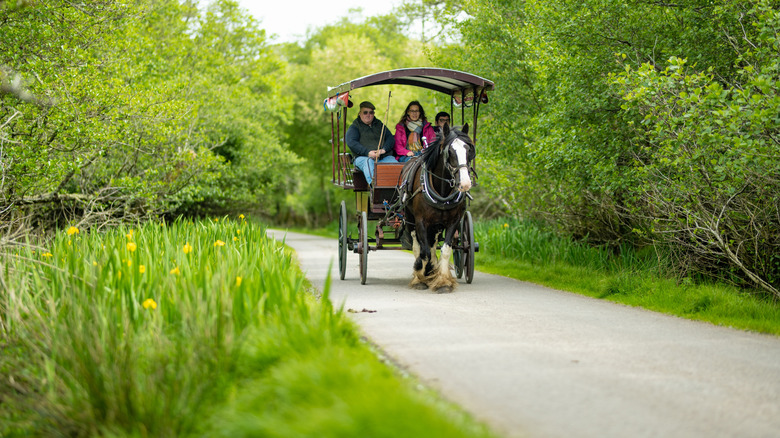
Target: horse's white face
<point>460,149</point>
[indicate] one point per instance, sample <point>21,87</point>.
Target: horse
<point>435,188</point>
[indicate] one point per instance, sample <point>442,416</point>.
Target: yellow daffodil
<point>175,271</point>
<point>219,243</point>
<point>72,230</point>
<point>142,269</point>
<point>131,246</point>
<point>149,304</point>
<point>47,254</point>
<point>187,248</point>
<point>238,281</point>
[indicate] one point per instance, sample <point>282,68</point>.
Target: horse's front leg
<point>443,280</point>
<point>422,252</point>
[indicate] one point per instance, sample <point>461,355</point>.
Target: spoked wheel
<point>467,242</point>
<point>343,240</point>
<point>457,255</point>
<point>363,247</point>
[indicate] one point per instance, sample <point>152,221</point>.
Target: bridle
<point>455,197</point>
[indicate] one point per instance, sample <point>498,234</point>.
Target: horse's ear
<point>465,128</point>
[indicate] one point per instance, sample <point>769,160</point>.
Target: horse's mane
<point>430,155</point>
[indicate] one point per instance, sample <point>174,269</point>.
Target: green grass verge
<point>191,329</point>
<point>524,251</point>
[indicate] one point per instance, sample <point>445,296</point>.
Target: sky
<point>289,19</point>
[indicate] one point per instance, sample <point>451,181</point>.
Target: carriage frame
<point>379,201</point>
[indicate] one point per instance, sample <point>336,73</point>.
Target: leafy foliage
<point>615,146</point>
<point>136,109</point>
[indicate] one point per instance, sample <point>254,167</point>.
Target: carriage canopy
<point>437,79</point>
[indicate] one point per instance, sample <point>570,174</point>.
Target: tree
<point>150,108</point>
<point>709,157</point>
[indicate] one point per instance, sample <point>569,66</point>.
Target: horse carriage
<point>427,195</point>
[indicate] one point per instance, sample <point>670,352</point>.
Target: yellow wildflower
<point>131,246</point>
<point>47,254</point>
<point>129,235</point>
<point>238,231</point>
<point>241,216</point>
<point>94,263</point>
<point>187,248</point>
<point>235,238</point>
<point>149,304</point>
<point>238,281</point>
<point>119,274</point>
<point>219,243</point>
<point>129,263</point>
<point>142,269</point>
<point>175,271</point>
<point>72,230</point>
<point>216,219</point>
<point>506,225</point>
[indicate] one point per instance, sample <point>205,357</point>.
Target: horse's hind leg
<point>421,262</point>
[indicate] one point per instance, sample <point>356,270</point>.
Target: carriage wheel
<point>457,255</point>
<point>343,240</point>
<point>363,247</point>
<point>467,238</point>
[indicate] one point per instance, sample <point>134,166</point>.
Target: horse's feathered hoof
<point>444,290</point>
<point>419,286</point>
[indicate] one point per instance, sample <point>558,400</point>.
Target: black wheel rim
<point>363,247</point>
<point>468,255</point>
<point>457,255</point>
<point>343,240</point>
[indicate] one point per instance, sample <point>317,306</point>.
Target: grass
<point>525,251</point>
<point>191,329</point>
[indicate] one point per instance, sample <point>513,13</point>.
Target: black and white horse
<point>437,184</point>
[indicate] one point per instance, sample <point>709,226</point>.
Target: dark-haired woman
<point>410,131</point>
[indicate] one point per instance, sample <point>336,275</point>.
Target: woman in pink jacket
<point>412,132</point>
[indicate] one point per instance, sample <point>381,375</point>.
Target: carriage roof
<point>437,79</point>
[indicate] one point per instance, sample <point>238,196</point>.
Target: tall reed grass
<point>530,242</point>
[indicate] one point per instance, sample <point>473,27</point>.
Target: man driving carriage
<point>363,138</point>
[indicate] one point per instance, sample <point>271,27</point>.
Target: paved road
<point>537,362</point>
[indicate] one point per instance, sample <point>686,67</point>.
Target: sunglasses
<point>365,113</point>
